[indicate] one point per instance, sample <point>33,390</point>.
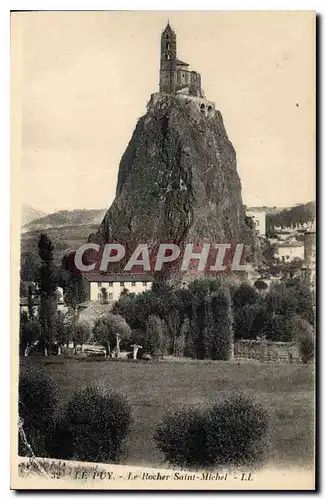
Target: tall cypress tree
<point>223,340</point>
<point>209,329</point>
<point>47,289</point>
<point>74,291</point>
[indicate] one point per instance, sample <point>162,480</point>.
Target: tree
<point>223,340</point>
<point>268,252</point>
<point>155,336</point>
<point>168,306</point>
<point>104,296</point>
<point>260,285</point>
<point>280,301</point>
<point>294,266</point>
<point>304,334</point>
<point>80,334</point>
<point>136,308</point>
<point>302,293</point>
<point>30,331</point>
<point>245,294</point>
<point>64,328</point>
<point>195,305</point>
<point>110,329</point>
<point>30,265</point>
<point>75,291</point>
<point>248,321</point>
<point>276,328</point>
<point>30,302</point>
<point>47,288</point>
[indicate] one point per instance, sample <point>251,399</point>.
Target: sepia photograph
<point>163,250</point>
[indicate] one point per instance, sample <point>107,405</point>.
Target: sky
<point>81,80</point>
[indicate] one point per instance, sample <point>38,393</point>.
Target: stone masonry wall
<point>267,352</point>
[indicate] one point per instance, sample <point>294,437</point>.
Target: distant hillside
<point>267,210</point>
<point>65,239</point>
<point>30,213</point>
<point>292,217</point>
<point>65,218</point>
<point>67,229</point>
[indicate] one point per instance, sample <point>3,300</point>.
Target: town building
<point>114,283</point>
<point>90,311</point>
<point>23,300</point>
<point>290,250</point>
<point>259,219</point>
<point>310,254</point>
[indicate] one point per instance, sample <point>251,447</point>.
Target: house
<point>259,219</point>
<point>290,250</point>
<point>310,255</point>
<point>23,300</point>
<point>90,311</point>
<point>114,283</point>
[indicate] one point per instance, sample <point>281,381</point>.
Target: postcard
<point>163,250</point>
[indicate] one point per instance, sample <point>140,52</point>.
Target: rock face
<point>178,179</point>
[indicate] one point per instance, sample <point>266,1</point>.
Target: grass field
<point>287,391</point>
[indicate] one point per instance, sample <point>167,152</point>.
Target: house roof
<point>168,28</point>
<point>93,303</point>
<point>24,301</point>
<point>29,283</point>
<point>289,244</point>
<point>182,63</point>
<point>94,310</point>
<point>36,301</point>
<point>116,277</point>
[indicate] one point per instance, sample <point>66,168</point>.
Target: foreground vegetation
<point>286,391</point>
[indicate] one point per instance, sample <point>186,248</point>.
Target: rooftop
<point>288,244</point>
<point>96,305</point>
<point>116,277</point>
<point>182,63</point>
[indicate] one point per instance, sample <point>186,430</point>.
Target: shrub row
<point>232,432</point>
<point>94,423</point>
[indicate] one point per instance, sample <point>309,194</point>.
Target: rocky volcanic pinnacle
<point>177,179</point>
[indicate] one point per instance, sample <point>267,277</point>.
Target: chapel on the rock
<point>175,75</point>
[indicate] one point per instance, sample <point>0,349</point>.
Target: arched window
<point>202,108</point>
<point>209,108</point>
<point>167,45</point>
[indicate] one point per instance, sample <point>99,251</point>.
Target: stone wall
<point>267,352</point>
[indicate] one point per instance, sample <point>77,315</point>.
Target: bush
<point>37,401</point>
<point>232,432</point>
<point>260,285</point>
<point>156,341</point>
<point>237,432</point>
<point>93,426</point>
<point>181,436</point>
<point>306,347</point>
<point>303,331</point>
